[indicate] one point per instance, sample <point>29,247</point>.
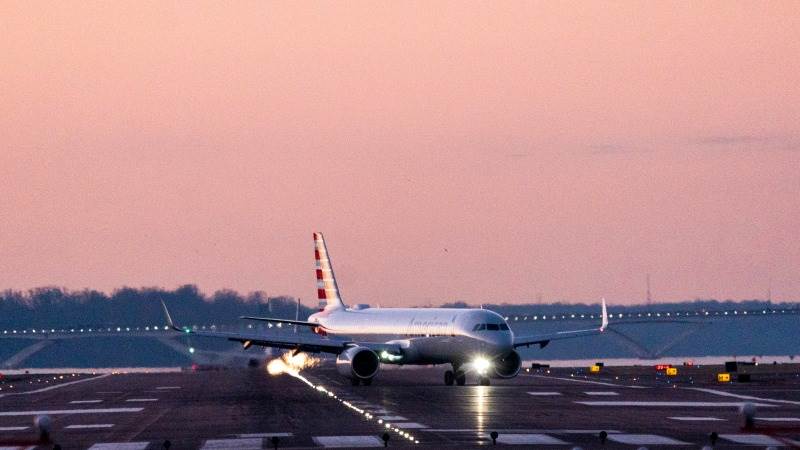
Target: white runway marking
<point>142,400</point>
<point>600,393</point>
<point>377,411</point>
<point>109,392</point>
<point>80,402</point>
<point>165,388</point>
<point>543,393</point>
<point>529,439</point>
<point>232,444</point>
<point>744,397</point>
<point>264,435</point>
<point>751,439</point>
<point>391,418</point>
<point>120,446</point>
<point>578,380</point>
<point>519,431</point>
<point>17,448</point>
<point>347,441</point>
<point>57,386</point>
<point>779,419</point>
<point>674,404</point>
<point>697,419</point>
<point>13,428</point>
<point>53,412</point>
<point>409,425</point>
<point>89,426</point>
<point>644,439</point>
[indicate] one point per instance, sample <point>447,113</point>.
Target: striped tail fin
<point>327,289</point>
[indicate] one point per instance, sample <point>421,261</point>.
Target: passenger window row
<point>490,327</point>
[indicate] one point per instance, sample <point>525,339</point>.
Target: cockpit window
<point>492,327</point>
<point>504,327</point>
<point>479,327</point>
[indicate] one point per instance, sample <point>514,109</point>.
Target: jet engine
<point>507,366</point>
<point>358,363</point>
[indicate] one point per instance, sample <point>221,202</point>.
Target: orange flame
<point>291,363</point>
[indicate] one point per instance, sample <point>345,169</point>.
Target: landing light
<point>481,365</point>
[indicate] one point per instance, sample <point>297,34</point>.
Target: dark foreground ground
<point>245,409</point>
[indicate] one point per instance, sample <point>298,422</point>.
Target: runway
<point>246,408</point>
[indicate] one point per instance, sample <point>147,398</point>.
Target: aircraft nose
<point>503,342</point>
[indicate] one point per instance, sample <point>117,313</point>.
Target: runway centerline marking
<point>779,419</point>
<point>744,397</point>
<point>601,393</point>
<point>57,386</point>
<point>392,418</point>
<point>142,400</point>
<point>543,393</point>
<point>409,425</point>
<point>577,380</point>
<point>54,412</point>
<point>13,428</point>
<point>165,388</point>
<point>673,404</point>
<point>697,419</point>
<point>80,402</point>
<point>89,426</point>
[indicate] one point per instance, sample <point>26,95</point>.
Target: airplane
<point>475,341</point>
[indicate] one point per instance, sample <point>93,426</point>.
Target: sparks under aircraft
<point>475,341</point>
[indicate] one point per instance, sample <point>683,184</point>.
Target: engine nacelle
<point>358,363</point>
<point>508,366</point>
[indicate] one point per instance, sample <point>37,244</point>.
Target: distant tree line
<point>53,307</point>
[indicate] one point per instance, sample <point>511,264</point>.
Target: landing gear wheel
<point>449,378</point>
<point>354,381</point>
<point>483,381</point>
<point>367,381</point>
<point>461,378</point>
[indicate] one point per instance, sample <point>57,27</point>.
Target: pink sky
<point>553,148</point>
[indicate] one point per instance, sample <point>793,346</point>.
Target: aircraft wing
<point>543,339</point>
<point>286,321</point>
<point>297,342</point>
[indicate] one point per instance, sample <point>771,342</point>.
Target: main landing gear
<point>356,381</point>
<point>458,377</point>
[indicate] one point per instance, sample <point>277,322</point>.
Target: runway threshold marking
<point>672,404</point>
<point>779,419</point>
<point>263,435</point>
<point>347,441</point>
<point>81,402</point>
<point>645,439</point>
<point>233,444</point>
<point>120,446</point>
<point>13,428</point>
<point>744,397</point>
<point>696,419</point>
<point>57,386</point>
<point>751,439</point>
<point>529,439</point>
<point>599,383</point>
<point>543,394</point>
<point>53,412</point>
<point>89,426</point>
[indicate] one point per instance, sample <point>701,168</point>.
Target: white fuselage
<point>426,335</point>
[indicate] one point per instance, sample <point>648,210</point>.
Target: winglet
<point>604,323</point>
<point>169,318</point>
